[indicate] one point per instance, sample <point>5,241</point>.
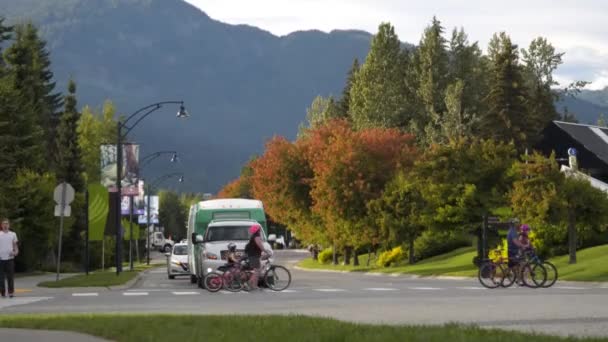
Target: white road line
<point>85,294</point>
<point>186,293</point>
<point>4,303</point>
<point>135,293</point>
<point>472,288</point>
<point>425,288</point>
<point>284,291</point>
<point>569,288</point>
<point>380,289</point>
<point>330,290</point>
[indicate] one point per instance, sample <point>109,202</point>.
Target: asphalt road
<point>567,308</point>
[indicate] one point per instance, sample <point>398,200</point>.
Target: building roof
<point>593,138</point>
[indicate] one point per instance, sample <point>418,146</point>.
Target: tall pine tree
<point>344,102</point>
<point>69,163</point>
<point>378,97</point>
<point>507,117</point>
<point>431,79</point>
<point>540,61</point>
<point>29,64</point>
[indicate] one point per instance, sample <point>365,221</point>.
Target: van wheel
<point>192,279</point>
<point>171,277</point>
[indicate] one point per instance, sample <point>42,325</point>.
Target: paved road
<point>567,308</point>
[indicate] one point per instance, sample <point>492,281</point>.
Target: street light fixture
<point>149,187</point>
<point>143,162</point>
<point>119,137</point>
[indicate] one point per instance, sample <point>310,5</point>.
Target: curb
<point>128,284</point>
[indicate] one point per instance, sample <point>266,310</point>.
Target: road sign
<point>69,193</point>
<point>67,210</point>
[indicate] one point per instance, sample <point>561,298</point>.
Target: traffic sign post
<point>63,196</point>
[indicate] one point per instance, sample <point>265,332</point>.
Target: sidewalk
<point>30,335</point>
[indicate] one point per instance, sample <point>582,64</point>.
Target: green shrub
<point>390,257</point>
<point>325,256</point>
<point>431,243</point>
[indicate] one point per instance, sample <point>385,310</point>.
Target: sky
<point>578,28</point>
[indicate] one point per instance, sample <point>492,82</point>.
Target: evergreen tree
<point>468,65</point>
<point>5,34</point>
<point>540,61</point>
<point>29,64</point>
<point>431,79</point>
<point>506,118</point>
<point>69,163</point>
<point>378,97</point>
<point>343,104</point>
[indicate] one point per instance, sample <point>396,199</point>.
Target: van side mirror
<point>272,237</point>
<point>199,239</point>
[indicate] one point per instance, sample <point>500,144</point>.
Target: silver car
<point>177,261</point>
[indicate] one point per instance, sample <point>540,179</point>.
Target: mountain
<point>598,97</point>
<point>241,85</point>
<point>586,112</point>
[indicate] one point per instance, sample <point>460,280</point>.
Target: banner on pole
<point>130,170</point>
<point>98,211</point>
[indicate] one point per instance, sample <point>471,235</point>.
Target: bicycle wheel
<point>533,275</point>
<point>213,281</point>
<point>277,278</point>
<point>509,278</point>
<point>551,274</point>
<point>490,275</point>
<point>231,281</point>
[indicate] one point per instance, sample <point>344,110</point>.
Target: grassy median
<point>257,328</point>
<point>592,265</point>
<point>99,278</point>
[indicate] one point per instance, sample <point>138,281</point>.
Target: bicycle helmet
<point>232,247</point>
<point>254,229</point>
<point>525,228</point>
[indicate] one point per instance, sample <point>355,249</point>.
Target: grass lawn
<point>455,263</point>
<point>592,265</point>
<point>256,328</point>
<point>99,278</point>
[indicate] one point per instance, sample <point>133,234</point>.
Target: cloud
<point>575,27</point>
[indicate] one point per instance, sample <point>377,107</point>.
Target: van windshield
<point>225,233</point>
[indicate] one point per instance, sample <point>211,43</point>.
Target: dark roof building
<point>591,143</point>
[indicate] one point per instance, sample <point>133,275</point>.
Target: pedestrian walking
<point>8,252</point>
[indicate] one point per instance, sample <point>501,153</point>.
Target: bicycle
<point>275,277</point>
<point>533,258</point>
<point>491,273</point>
<point>530,274</point>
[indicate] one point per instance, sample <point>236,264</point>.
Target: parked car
<point>177,261</point>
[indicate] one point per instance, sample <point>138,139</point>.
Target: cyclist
<point>231,258</point>
<point>514,244</point>
<point>254,249</point>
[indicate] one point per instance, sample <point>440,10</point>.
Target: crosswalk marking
<point>380,289</point>
<point>329,290</point>
<point>425,288</point>
<point>472,288</point>
<point>186,293</point>
<point>85,294</point>
<point>569,287</point>
<point>4,303</point>
<point>135,293</point>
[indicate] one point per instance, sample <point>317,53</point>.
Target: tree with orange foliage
<point>351,168</point>
<point>281,179</point>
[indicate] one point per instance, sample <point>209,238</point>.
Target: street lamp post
<point>143,162</point>
<point>149,187</point>
<point>148,110</point>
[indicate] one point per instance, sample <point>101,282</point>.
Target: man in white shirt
<point>8,252</point>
